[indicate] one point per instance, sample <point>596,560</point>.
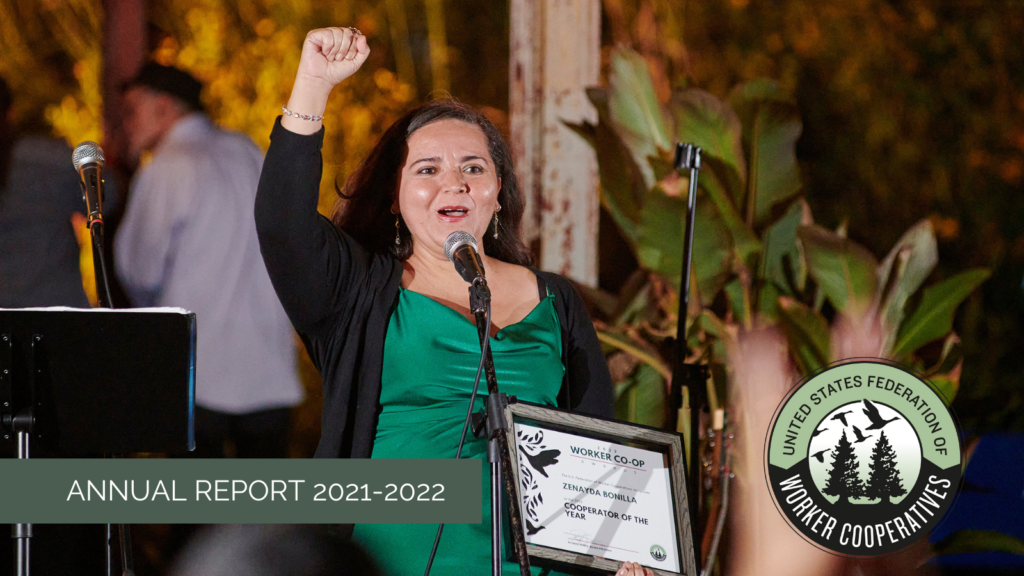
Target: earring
<point>398,236</point>
<point>496,221</point>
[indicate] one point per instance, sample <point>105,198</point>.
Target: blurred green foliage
<point>760,259</point>
<point>910,110</point>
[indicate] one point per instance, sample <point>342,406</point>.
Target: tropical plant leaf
<point>624,210</point>
<point>661,166</point>
<point>767,302</point>
<point>642,398</point>
<point>639,282</point>
<point>891,312</point>
<point>780,247</point>
<point>967,541</point>
<point>660,248</point>
<point>634,109</point>
<point>948,384</point>
<point>771,126</point>
<point>633,310</point>
<point>920,239</point>
<point>844,270</point>
<point>933,317</point>
<point>725,337</point>
<point>705,121</point>
<point>743,238</point>
<point>903,271</point>
<point>622,182</point>
<point>807,333</point>
<point>661,233</point>
<point>952,354</point>
<point>621,388</point>
<point>738,303</point>
<point>710,323</point>
<point>636,349</point>
<point>745,97</point>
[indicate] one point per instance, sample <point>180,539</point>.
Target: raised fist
<point>330,55</point>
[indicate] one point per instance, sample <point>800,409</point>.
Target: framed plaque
<point>595,493</point>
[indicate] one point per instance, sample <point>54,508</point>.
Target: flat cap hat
<point>169,80</point>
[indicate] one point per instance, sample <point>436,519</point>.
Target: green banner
<point>240,491</point>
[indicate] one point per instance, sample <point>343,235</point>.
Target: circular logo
<point>658,553</point>
<point>863,458</point>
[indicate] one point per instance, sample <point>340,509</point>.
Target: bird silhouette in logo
<point>821,455</point>
<point>871,411</point>
<point>542,460</point>
<point>860,437</point>
<point>531,529</point>
<point>818,431</point>
<point>842,417</point>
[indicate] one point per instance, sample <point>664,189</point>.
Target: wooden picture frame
<point>629,435</point>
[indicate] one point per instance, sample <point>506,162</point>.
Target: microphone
<point>88,160</point>
<point>461,249</point>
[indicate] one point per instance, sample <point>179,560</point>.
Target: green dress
<point>430,358</point>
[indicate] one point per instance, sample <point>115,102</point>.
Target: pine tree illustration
<point>884,480</point>
<point>844,479</point>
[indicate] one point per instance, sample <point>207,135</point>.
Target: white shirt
<point>188,239</point>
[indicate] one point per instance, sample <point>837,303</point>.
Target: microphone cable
<point>484,349</point>
<point>98,256</point>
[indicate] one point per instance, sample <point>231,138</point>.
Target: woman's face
<point>447,183</point>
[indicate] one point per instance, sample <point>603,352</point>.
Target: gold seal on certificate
<point>598,493</point>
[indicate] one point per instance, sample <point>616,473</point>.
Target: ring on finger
<point>355,31</point>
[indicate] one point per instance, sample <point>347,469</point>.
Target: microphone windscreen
<point>456,239</point>
<point>87,152</point>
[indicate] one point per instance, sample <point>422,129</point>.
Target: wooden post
<point>555,54</point>
<point>124,48</point>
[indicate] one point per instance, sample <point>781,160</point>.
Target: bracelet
<point>288,112</point>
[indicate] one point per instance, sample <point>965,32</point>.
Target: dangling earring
<point>398,235</point>
<point>496,221</point>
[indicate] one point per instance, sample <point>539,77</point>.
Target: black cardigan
<point>340,297</point>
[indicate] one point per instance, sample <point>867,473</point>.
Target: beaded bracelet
<point>288,112</point>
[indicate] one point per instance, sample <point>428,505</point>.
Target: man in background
<point>188,240</point>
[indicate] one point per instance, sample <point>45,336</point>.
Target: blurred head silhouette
<point>155,100</point>
<point>272,550</point>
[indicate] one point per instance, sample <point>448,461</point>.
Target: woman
<point>382,311</point>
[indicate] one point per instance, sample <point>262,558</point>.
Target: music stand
<point>92,381</point>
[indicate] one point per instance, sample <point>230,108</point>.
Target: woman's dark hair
<point>364,209</point>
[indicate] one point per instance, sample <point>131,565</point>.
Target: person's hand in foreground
<point>633,569</point>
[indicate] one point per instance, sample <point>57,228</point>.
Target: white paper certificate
<point>596,497</point>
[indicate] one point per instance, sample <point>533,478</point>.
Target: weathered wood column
<point>124,49</point>
<point>555,54</point>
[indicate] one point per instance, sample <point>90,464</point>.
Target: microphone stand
<point>95,224</point>
<point>19,416</point>
<point>692,376</point>
<point>497,443</point>
<point>99,261</point>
